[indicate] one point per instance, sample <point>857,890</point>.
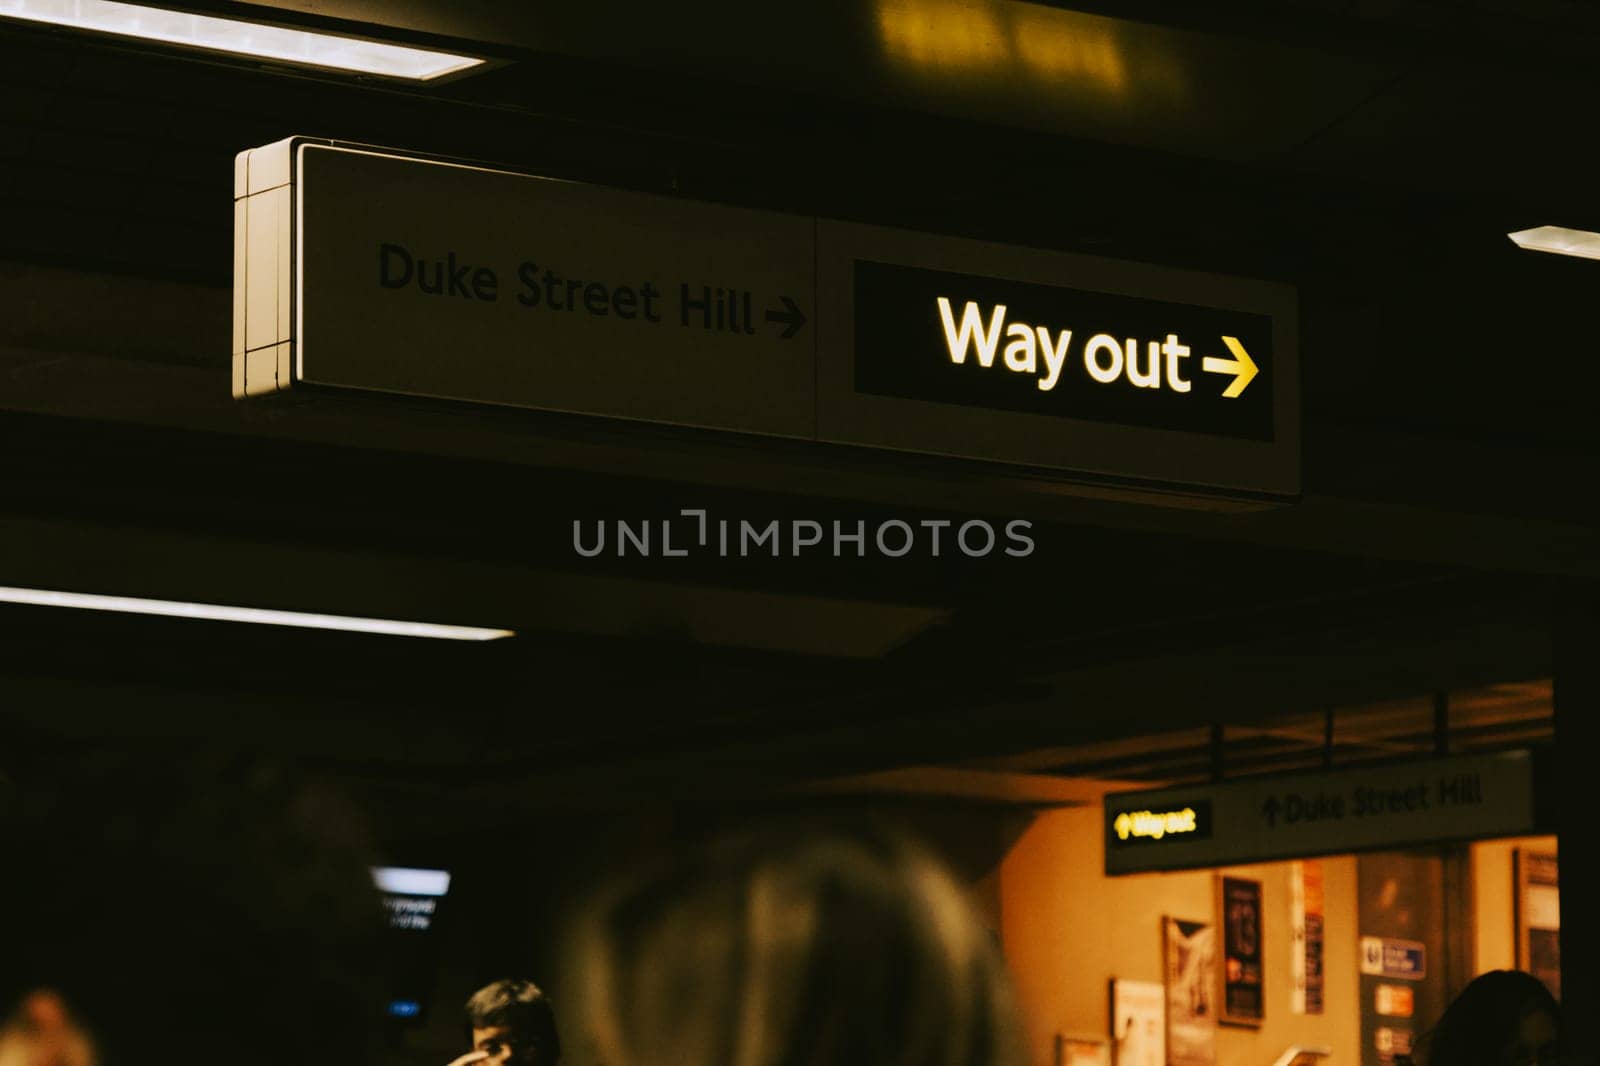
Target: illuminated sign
<point>1388,957</point>
<point>1390,1043</point>
<point>1062,353</point>
<point>364,270</point>
<point>413,899</point>
<point>1394,1001</point>
<point>1120,372</point>
<point>1366,808</point>
<point>1143,826</point>
<point>1153,825</point>
<point>411,896</point>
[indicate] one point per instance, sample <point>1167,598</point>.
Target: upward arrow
<point>1241,366</point>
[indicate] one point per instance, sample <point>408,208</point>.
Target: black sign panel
<point>1145,826</point>
<point>1361,808</point>
<point>1070,353</point>
<point>1401,907</point>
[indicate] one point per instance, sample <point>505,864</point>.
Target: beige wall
<point>1493,901</point>
<point>1068,929</point>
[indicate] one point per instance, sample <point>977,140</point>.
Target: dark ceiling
<point>1376,162</point>
<point>1372,155</point>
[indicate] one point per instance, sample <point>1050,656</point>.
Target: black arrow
<point>792,316</point>
<point>1270,809</point>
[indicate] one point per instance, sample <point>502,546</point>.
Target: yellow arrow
<point>1241,366</point>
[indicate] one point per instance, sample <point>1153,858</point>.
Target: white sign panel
<point>370,271</point>
<point>1383,956</point>
<point>1360,809</point>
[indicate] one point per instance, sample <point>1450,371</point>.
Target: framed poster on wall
<point>1243,985</point>
<point>1138,1023</point>
<point>1191,980</point>
<point>1538,908</point>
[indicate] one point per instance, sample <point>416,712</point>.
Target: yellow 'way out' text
<point>1106,359</point>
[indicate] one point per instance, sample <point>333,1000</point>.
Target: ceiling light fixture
<point>253,615</point>
<point>237,37</point>
<point>1559,240</point>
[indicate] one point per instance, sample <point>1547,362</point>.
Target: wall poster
<point>1138,1023</point>
<point>1538,905</point>
<point>1191,978</point>
<point>1305,961</point>
<point>1243,986</point>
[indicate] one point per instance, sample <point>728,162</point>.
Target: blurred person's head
<point>511,1021</point>
<point>1502,1018</point>
<point>195,913</point>
<point>801,948</point>
<point>42,1032</point>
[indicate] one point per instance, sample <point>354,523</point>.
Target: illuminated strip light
<point>253,615</point>
<point>403,881</point>
<point>1559,240</point>
<point>237,37</point>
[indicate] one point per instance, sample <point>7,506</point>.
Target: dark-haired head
<point>512,1022</point>
<point>1503,1018</point>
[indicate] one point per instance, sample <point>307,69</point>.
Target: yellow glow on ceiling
<point>1042,46</point>
<point>1049,48</point>
<point>943,34</point>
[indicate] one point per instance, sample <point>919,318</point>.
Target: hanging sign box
<point>1363,808</point>
<point>366,270</point>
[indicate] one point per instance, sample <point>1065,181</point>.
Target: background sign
<point>413,900</point>
<point>365,270</point>
<point>1538,910</point>
<point>1306,910</point>
<point>1243,970</point>
<point>1405,942</point>
<point>1395,1001</point>
<point>1472,797</point>
<point>1384,957</point>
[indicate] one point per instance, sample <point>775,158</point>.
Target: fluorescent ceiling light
<point>254,615</point>
<point>241,38</point>
<point>403,881</point>
<point>1559,240</point>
